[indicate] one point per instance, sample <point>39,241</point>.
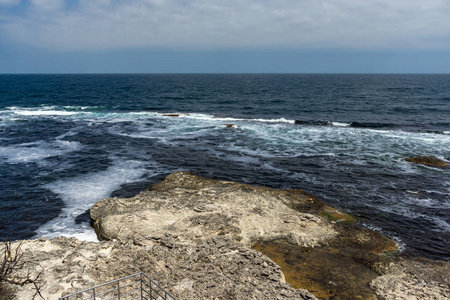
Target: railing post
<point>140,277</point>
<point>93,291</point>
<point>118,289</point>
<point>151,296</point>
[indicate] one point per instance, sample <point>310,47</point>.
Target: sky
<point>224,36</point>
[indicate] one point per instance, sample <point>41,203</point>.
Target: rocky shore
<point>198,238</point>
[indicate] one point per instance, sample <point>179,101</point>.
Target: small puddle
<point>327,272</point>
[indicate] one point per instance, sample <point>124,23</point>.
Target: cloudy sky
<point>159,36</point>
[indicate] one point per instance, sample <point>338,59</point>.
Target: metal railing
<point>136,286</point>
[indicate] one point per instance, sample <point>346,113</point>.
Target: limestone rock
<point>214,268</point>
<point>192,207</point>
<point>428,160</point>
<point>416,278</point>
<point>193,235</point>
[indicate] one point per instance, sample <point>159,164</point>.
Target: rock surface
<point>417,278</point>
<point>214,268</point>
<point>193,236</point>
<point>428,160</point>
<point>192,207</point>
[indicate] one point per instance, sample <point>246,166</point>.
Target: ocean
<point>67,141</point>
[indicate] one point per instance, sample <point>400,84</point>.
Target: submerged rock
<point>329,272</point>
<point>428,160</point>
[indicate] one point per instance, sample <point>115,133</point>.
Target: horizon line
<point>228,73</point>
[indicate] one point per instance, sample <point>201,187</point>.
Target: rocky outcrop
<point>417,278</point>
<point>316,237</point>
<point>215,268</point>
<point>428,160</point>
<point>192,208</point>
<point>194,235</point>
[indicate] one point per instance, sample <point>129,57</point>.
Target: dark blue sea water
<point>67,141</point>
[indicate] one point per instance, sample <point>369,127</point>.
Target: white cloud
<point>205,24</point>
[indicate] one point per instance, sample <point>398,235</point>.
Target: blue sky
<point>232,36</point>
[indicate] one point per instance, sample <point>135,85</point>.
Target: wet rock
<point>328,272</point>
<point>83,218</point>
<point>428,160</point>
<point>342,269</point>
<point>175,115</point>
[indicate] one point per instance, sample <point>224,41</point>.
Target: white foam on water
<point>44,113</point>
<point>368,143</point>
<point>247,151</point>
<point>208,117</point>
<point>399,209</point>
<point>310,140</point>
<point>52,111</point>
<point>80,107</point>
<point>72,132</point>
<point>418,137</point>
<point>442,225</point>
<point>80,194</point>
<point>423,202</point>
<point>405,209</point>
<point>195,116</point>
<point>243,159</point>
<point>140,130</point>
<point>269,166</point>
<point>407,167</point>
<point>340,124</point>
<point>7,118</point>
<point>400,244</point>
<point>280,120</point>
<point>305,177</point>
<point>37,151</point>
<point>169,130</point>
<point>445,193</point>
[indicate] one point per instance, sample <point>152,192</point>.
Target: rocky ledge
<point>194,236</point>
<point>191,207</point>
<point>215,268</point>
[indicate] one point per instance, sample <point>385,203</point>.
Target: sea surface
<point>67,141</point>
